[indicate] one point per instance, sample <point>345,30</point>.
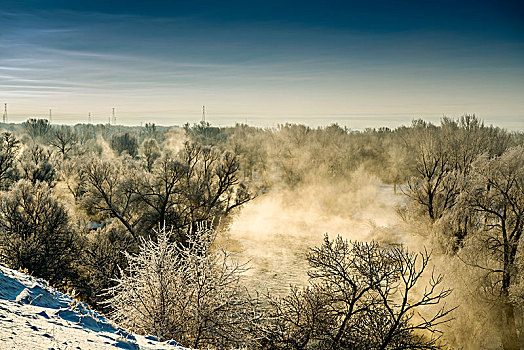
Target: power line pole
<point>203,113</point>
<point>4,117</point>
<point>114,118</point>
<point>89,118</point>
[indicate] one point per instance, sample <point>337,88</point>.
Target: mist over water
<point>274,231</point>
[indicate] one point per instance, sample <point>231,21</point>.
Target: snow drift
<point>35,316</point>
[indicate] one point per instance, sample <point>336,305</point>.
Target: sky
<point>356,63</point>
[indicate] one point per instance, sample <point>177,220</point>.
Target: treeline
<point>74,199</point>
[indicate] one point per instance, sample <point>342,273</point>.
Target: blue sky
<point>357,63</point>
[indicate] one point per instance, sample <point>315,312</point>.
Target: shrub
<point>190,293</point>
<point>35,233</point>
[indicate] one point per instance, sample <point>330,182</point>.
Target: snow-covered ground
<point>34,316</point>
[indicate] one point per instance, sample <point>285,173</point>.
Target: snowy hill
<point>36,316</point>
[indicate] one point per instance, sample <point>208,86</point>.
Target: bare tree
<point>211,188</point>
<point>299,320</point>
<point>434,186</point>
<point>103,257</point>
<point>64,139</point>
<point>150,130</point>
<point>9,147</point>
<point>125,142</point>
<point>361,296</point>
<point>107,191</point>
<point>197,185</point>
<point>72,173</point>
<point>150,152</point>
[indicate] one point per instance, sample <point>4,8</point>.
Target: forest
<point>142,224</point>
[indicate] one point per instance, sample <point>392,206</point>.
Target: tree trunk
<point>510,340</point>
<point>510,337</point>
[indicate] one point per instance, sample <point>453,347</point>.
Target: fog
<point>274,231</point>
<point>286,188</point>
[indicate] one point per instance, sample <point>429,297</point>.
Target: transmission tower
<point>4,117</point>
<point>203,113</point>
<point>114,117</point>
<point>89,118</point>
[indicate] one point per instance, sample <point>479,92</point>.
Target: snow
<point>36,316</point>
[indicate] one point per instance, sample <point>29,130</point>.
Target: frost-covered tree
<point>493,199</point>
<point>442,159</point>
<point>191,293</point>
<point>37,129</point>
<point>36,165</point>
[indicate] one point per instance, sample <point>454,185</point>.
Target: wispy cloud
<point>78,59</point>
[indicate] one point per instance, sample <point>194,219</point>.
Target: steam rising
<point>275,230</point>
<point>174,141</point>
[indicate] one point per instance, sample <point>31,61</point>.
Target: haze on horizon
<point>263,62</point>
